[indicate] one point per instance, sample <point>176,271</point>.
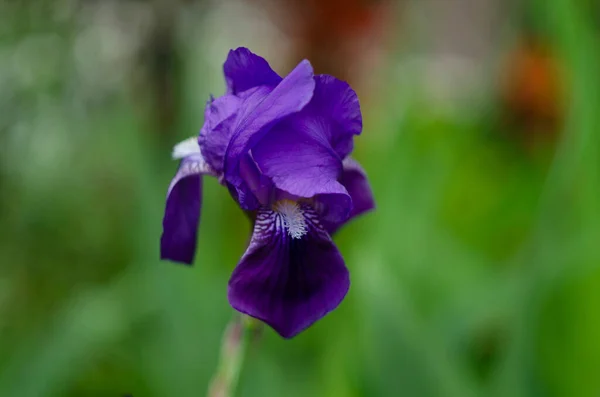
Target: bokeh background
<point>477,275</point>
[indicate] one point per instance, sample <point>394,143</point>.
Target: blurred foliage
<point>477,275</point>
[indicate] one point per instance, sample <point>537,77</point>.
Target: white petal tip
<point>186,148</point>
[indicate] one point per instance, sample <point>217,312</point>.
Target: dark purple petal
<point>258,113</point>
<point>354,178</point>
<point>244,70</point>
<point>333,208</point>
<point>297,157</point>
<point>336,106</point>
<point>356,183</point>
<point>289,283</point>
<point>262,187</point>
<point>182,211</point>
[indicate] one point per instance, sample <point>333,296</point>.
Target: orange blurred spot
<point>532,92</point>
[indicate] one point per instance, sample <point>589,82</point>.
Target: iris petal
<point>289,283</point>
<point>182,211</point>
<point>261,111</point>
<point>298,158</point>
<point>356,183</point>
<point>244,70</point>
<point>336,105</point>
<point>262,187</point>
<point>219,117</point>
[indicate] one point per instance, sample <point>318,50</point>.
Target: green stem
<point>233,351</point>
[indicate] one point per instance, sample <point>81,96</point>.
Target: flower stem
<point>233,351</point>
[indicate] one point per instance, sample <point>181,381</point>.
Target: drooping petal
<point>182,210</point>
<point>258,113</point>
<point>297,157</point>
<point>244,70</point>
<point>336,106</point>
<point>356,183</point>
<point>289,283</point>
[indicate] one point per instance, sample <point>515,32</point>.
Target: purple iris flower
<point>281,146</point>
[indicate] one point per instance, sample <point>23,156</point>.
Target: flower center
<point>292,217</point>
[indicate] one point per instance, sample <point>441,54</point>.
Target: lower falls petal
<point>289,278</point>
<point>182,211</point>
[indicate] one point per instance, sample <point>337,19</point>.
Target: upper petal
<point>219,117</point>
<point>182,210</point>
<point>289,283</point>
<point>336,105</point>
<point>298,158</point>
<point>244,70</point>
<point>356,183</point>
<point>261,111</point>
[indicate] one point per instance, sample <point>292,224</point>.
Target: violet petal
<point>261,186</point>
<point>289,283</point>
<point>356,183</point>
<point>182,211</point>
<point>336,105</point>
<point>258,113</point>
<point>244,70</point>
<point>297,157</point>
<point>219,117</point>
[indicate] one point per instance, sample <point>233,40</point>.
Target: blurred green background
<point>477,275</point>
